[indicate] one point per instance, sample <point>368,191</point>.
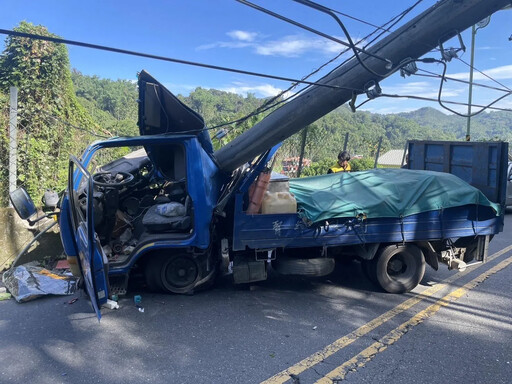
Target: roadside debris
<point>137,299</point>
<point>4,296</point>
<point>30,281</point>
<point>73,301</point>
<point>62,264</point>
<point>111,304</point>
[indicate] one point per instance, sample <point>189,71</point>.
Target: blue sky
<point>227,33</point>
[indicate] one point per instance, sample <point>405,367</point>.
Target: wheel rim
<point>396,266</point>
<point>180,274</point>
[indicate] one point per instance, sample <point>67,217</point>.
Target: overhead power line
<point>436,76</point>
<point>275,101</point>
<point>162,58</point>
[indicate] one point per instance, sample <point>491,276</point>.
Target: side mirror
<point>22,203</point>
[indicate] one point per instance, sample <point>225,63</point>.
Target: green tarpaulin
<point>382,193</point>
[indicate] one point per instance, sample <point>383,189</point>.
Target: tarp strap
<point>402,229</point>
<point>441,222</point>
<point>474,223</point>
<point>352,225</point>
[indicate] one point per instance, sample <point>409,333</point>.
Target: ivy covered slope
<point>51,122</point>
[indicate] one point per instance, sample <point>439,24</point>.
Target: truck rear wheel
<point>399,269</point>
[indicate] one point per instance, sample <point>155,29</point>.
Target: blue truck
<point>114,216</point>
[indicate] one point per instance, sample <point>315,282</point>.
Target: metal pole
<point>378,153</point>
<point>346,142</point>
<point>13,140</point>
<point>303,144</point>
<point>470,96</point>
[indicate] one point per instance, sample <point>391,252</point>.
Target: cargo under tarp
<point>382,193</point>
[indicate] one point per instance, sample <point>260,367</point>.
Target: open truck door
<point>92,260</point>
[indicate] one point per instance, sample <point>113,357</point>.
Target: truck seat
<point>155,222</point>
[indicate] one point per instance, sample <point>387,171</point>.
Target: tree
<point>47,109</point>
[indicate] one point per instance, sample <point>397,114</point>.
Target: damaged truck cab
<point>144,201</point>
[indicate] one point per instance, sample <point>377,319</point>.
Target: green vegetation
<point>40,71</point>
<point>60,111</point>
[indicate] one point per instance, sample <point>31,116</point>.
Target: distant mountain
<point>496,125</point>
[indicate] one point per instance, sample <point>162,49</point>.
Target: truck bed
<point>289,230</point>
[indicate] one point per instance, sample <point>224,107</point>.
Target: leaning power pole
<point>428,30</point>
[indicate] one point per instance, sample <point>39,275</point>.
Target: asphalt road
<point>454,327</point>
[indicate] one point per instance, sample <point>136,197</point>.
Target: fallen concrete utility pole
<point>436,25</point>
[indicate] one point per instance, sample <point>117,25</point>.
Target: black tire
<point>304,267</point>
<point>399,269</point>
<point>368,267</point>
<point>180,273</point>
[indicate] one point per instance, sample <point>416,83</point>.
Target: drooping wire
<point>74,126</point>
<point>484,74</point>
<point>321,8</point>
<point>437,76</point>
<point>163,58</point>
<point>350,44</point>
<point>396,20</point>
<point>439,96</point>
<point>436,100</point>
<point>268,104</point>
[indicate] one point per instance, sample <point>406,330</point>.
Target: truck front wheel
<point>176,274</point>
<point>399,268</point>
<point>180,273</point>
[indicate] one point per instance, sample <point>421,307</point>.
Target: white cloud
<point>487,48</point>
<point>242,35</point>
<point>423,89</point>
<point>225,44</point>
<point>287,46</point>
<point>498,73</point>
<point>294,46</point>
<point>264,90</point>
<point>180,88</point>
<point>261,90</point>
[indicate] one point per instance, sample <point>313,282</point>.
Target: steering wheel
<point>112,180</point>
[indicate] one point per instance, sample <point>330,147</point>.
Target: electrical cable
<point>484,74</point>
<point>321,8</point>
<point>442,102</point>
<point>303,26</point>
<point>445,66</point>
<point>58,40</point>
<point>393,21</point>
<point>162,58</point>
<point>74,126</point>
<point>436,100</point>
<point>436,75</point>
<point>396,20</point>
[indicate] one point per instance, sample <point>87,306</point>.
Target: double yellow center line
<point>360,359</point>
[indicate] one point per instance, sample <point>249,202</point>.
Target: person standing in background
<point>343,163</point>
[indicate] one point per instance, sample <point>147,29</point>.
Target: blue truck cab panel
<point>124,218</point>
<point>144,201</point>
